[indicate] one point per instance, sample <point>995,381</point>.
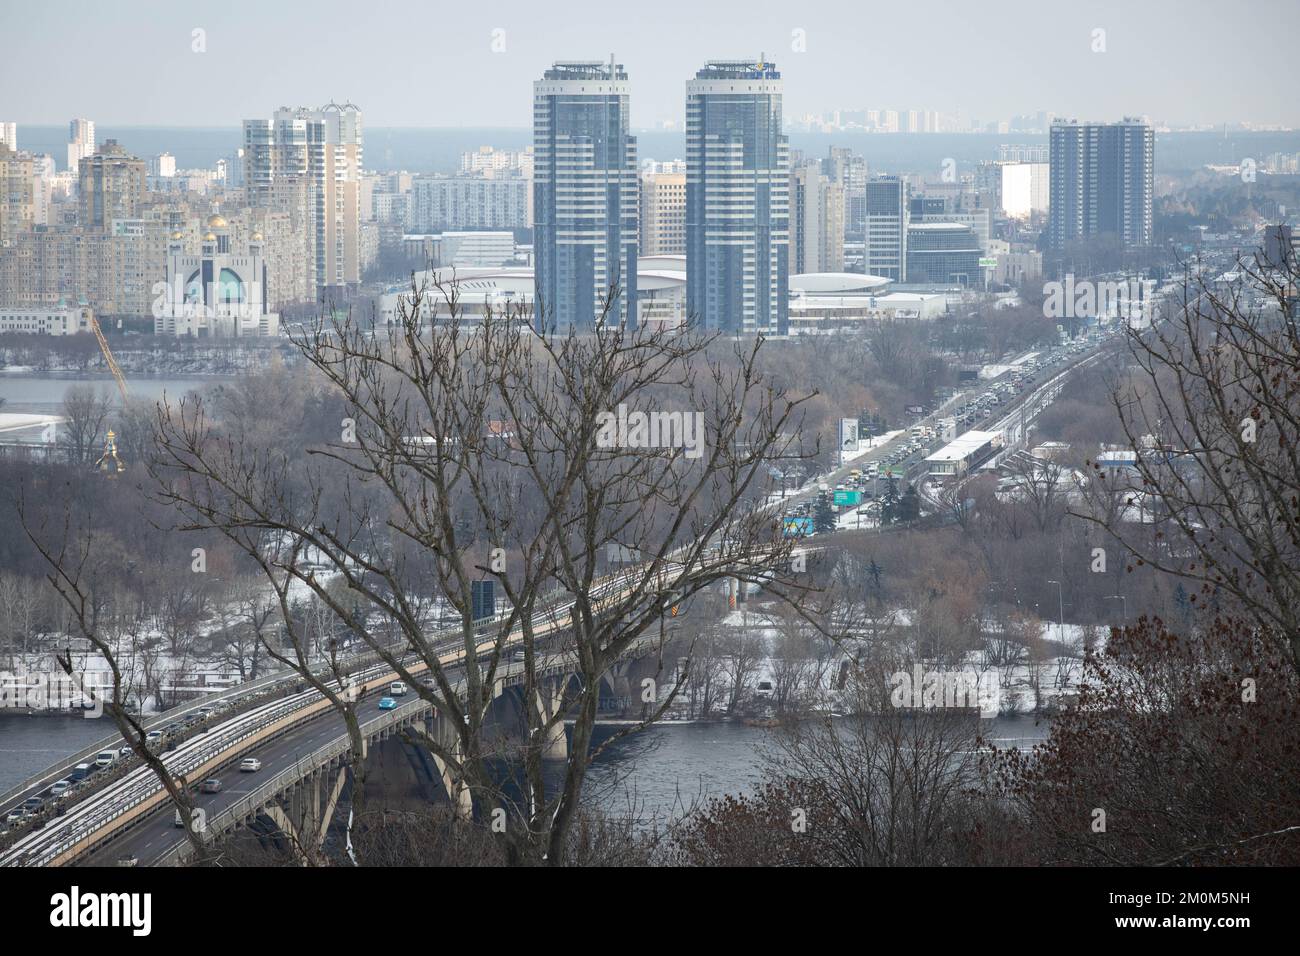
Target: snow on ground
<point>871,444</point>
<point>13,421</point>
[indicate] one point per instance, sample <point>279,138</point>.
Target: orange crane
<point>108,356</point>
<point>108,462</point>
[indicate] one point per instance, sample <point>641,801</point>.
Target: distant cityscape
<point>742,232</point>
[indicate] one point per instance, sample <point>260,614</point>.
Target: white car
<point>250,765</point>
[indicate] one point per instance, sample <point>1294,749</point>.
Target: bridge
<point>303,744</point>
<point>297,734</point>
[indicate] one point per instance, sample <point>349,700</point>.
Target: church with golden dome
<point>219,293</point>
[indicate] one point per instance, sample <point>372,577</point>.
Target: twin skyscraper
<point>585,199</point>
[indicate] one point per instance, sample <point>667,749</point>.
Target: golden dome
<point>216,222</point>
<point>257,237</point>
<point>210,238</point>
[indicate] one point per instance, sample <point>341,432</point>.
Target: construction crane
<point>108,356</point>
<point>109,463</point>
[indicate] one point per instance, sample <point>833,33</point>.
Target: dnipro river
<point>652,775</point>
<point>42,393</point>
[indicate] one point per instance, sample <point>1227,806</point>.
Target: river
<point>652,775</point>
<point>42,393</point>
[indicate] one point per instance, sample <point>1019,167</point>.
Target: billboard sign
<point>796,527</point>
<point>848,437</point>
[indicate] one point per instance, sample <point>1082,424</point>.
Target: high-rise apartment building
<point>737,198</point>
<point>9,135</point>
<point>112,185</point>
<point>1102,181</point>
<point>437,203</point>
<point>584,196</point>
<point>323,149</point>
<point>487,161</point>
<point>163,166</point>
<point>17,198</point>
<point>81,142</point>
<point>849,169</point>
<point>886,227</point>
<point>663,214</point>
<point>816,221</point>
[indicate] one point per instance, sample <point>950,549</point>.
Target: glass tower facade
<point>737,199</point>
<point>584,196</point>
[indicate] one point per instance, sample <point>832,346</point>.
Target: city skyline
<point>507,47</point>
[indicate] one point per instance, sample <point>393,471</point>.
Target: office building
<point>944,253</point>
<point>887,216</point>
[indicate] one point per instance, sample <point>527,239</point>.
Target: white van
<point>397,689</point>
<point>106,758</point>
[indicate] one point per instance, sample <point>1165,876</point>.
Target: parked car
<point>250,765</point>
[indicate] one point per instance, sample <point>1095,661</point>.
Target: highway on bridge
<point>88,823</point>
<point>158,834</point>
<point>279,732</point>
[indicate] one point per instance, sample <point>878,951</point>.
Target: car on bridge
<point>387,703</point>
<point>211,785</point>
<point>250,765</point>
<point>61,788</point>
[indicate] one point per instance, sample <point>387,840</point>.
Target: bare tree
<point>482,451</point>
<point>1217,442</point>
<point>85,413</point>
<point>68,554</point>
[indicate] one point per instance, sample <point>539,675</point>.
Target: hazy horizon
<point>134,63</point>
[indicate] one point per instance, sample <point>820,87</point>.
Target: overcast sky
<point>432,64</point>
